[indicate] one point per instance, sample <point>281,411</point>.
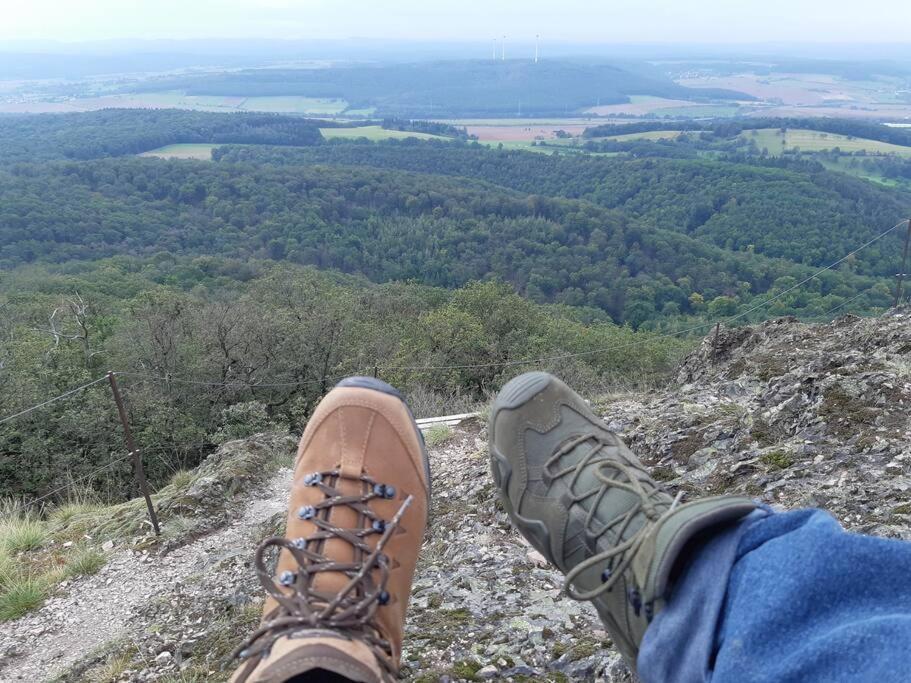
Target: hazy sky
<point>628,21</point>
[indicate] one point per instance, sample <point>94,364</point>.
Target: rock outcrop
<point>790,413</point>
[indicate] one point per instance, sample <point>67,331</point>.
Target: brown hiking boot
<point>336,604</point>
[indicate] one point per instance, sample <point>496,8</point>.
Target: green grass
<point>843,165</point>
<point>8,570</point>
<point>64,514</point>
<point>201,151</point>
<point>21,534</point>
<point>33,560</point>
<point>84,561</point>
<point>437,435</point>
<point>21,594</point>
<point>182,479</point>
<point>815,141</point>
<point>375,133</point>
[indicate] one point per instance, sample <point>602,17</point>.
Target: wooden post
<point>904,270</point>
<point>715,343</point>
<point>134,452</point>
<point>376,370</point>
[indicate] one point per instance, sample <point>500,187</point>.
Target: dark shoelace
<point>351,611</point>
<point>613,473</point>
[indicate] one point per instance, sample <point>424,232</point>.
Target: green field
<point>776,142</point>
<point>295,105</point>
<point>523,145</point>
<point>202,151</point>
<point>292,104</point>
<point>648,135</point>
<point>575,121</point>
<point>375,133</point>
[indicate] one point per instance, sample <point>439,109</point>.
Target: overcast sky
<point>626,21</point>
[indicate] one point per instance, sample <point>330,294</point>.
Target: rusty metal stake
<point>901,275</point>
<point>134,452</point>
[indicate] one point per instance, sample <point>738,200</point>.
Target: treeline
<point>116,132</point>
<point>394,225</point>
<point>792,210</point>
<point>202,344</point>
<point>727,128</point>
<point>429,127</point>
<point>452,88</point>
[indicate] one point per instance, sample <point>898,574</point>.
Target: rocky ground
<point>789,413</point>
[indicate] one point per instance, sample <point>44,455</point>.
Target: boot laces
<point>613,472</point>
<point>350,611</point>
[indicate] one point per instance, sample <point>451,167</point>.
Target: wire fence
<point>274,383</point>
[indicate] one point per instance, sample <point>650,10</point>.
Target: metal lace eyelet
<point>383,598</point>
<point>306,512</point>
<point>299,543</point>
<point>379,489</point>
<point>313,479</point>
<point>389,491</point>
<point>606,574</point>
<point>286,578</point>
<point>379,526</point>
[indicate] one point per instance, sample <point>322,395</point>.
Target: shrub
<point>242,420</point>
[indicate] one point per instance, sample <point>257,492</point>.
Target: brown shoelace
<point>349,612</point>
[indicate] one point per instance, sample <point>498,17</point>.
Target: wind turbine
<point>503,52</point>
<point>537,37</point>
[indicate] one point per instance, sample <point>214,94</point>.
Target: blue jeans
<point>781,598</point>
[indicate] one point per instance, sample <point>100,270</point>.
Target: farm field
<point>645,105</point>
<point>292,104</point>
<point>201,151</point>
<point>552,146</point>
<point>314,106</point>
<point>809,94</point>
<point>375,133</point>
<point>804,89</point>
<point>522,132</point>
<point>843,165</point>
<point>775,142</point>
<point>647,135</point>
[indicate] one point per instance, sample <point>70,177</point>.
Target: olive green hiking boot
<point>583,500</point>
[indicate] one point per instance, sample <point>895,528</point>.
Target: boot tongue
<point>309,652</point>
<point>616,502</point>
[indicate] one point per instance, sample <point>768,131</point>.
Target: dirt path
<point>94,610</point>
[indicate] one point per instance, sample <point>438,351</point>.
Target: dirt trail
<point>91,611</point>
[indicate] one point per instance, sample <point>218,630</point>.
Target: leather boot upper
<point>360,478</point>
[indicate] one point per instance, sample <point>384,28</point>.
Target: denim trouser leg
<point>786,597</point>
